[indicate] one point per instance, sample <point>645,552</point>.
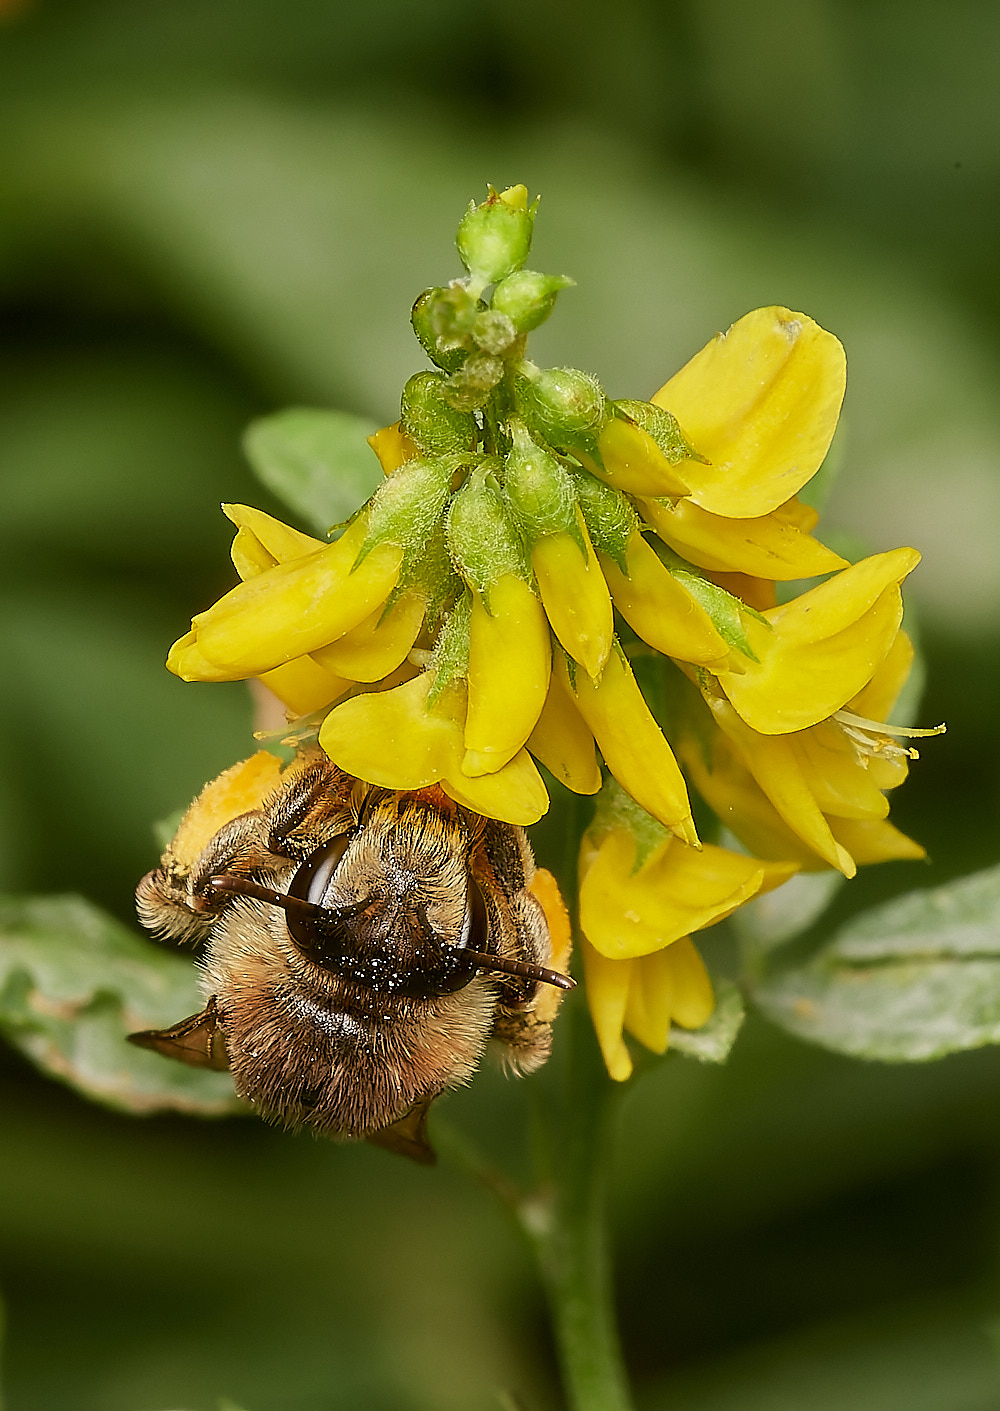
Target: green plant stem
<point>566,1223</point>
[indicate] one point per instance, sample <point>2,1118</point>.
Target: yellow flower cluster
<point>463,627</point>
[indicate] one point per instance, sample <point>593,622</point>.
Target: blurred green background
<point>212,208</point>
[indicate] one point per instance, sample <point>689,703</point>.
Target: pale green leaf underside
<point>713,1041</point>
<point>318,463</point>
<point>74,982</point>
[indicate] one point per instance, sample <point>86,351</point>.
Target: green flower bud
<point>468,388</point>
<point>482,541</point>
<point>608,515</point>
<point>428,418</point>
<point>408,504</point>
<point>443,319</point>
<point>528,298</point>
<point>538,488</point>
<point>662,427</point>
<point>564,407</point>
<point>494,238</point>
<point>493,332</point>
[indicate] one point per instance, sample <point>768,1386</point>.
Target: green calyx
<point>661,426</point>
<point>538,488</point>
<point>431,421</point>
<point>610,518</point>
<point>483,543</point>
<point>443,319</point>
<point>450,658</point>
<point>408,504</point>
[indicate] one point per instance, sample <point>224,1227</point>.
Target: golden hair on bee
<point>362,947</point>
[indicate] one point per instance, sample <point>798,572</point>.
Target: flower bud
<point>432,423</point>
<point>494,238</point>
<point>528,298</point>
<point>566,408</point>
<point>468,388</point>
<point>442,319</point>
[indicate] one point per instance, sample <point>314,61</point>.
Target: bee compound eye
<point>311,883</point>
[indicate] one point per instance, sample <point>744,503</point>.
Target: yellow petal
<point>821,649</point>
<point>650,1000</point>
<point>659,608</point>
<point>249,555</point>
<point>761,402</point>
<point>607,984</point>
<point>304,686</point>
<point>281,541</point>
<point>562,740</point>
<point>186,660</point>
<point>838,781</point>
<point>876,700</point>
<point>631,742</point>
<point>513,794</point>
<point>631,461</point>
<point>296,607</point>
<point>677,890</point>
<point>509,664</point>
<point>765,547</point>
<point>875,840</point>
<point>393,447</point>
<point>694,999</point>
<point>370,651</point>
<point>773,762</point>
<point>575,596</point>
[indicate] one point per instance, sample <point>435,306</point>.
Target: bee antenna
<point>243,887</point>
<point>520,967</point>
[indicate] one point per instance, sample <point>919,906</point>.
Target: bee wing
<point>197,1040</point>
<point>408,1136</point>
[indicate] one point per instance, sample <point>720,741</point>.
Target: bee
<point>362,947</point>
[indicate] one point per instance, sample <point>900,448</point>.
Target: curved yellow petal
<point>839,782</point>
<point>281,541</point>
<point>370,651</point>
<point>876,700</point>
<point>875,840</point>
<point>632,743</point>
<point>761,402</point>
<point>607,985</point>
<point>513,794</point>
<point>296,607</point>
<point>393,447</point>
<point>650,1003</point>
<point>249,555</point>
<point>766,547</point>
<point>186,660</point>
<point>304,686</point>
<point>677,890</point>
<point>659,608</point>
<point>563,741</point>
<point>631,461</point>
<point>575,596</point>
<point>694,999</point>
<point>509,664</point>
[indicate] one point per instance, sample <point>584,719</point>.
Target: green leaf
<point>713,1041</point>
<point>906,982</point>
<point>318,463</point>
<point>74,982</point>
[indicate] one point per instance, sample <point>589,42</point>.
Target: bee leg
<point>522,1039</point>
<point>408,1136</point>
<point>197,1040</point>
<point>299,819</point>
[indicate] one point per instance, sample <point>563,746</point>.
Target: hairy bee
<point>361,947</point>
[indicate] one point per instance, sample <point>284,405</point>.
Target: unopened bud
<point>564,407</point>
<point>429,419</point>
<point>494,238</point>
<point>442,319</point>
<point>469,387</point>
<point>528,298</point>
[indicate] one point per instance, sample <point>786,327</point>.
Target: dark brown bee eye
<point>311,883</point>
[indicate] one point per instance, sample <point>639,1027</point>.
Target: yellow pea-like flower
<point>575,595</point>
<point>379,643</point>
<point>659,608</point>
<point>510,658</point>
<point>819,650</point>
<point>563,741</point>
<point>262,539</point>
<point>401,739</point>
<point>304,686</point>
<point>761,403</point>
<point>631,461</point>
<point>771,546</point>
<point>632,743</point>
<point>289,610</point>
